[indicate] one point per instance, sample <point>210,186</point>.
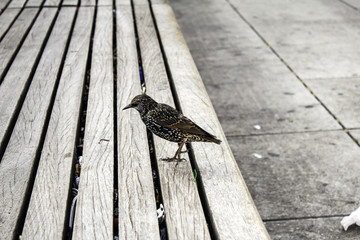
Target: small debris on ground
<point>353,218</point>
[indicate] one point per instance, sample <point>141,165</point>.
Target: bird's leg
<point>177,154</point>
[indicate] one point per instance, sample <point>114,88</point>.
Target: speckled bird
<point>168,123</point>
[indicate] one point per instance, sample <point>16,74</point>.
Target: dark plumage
<point>168,123</point>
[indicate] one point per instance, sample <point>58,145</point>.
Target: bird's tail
<point>211,138</point>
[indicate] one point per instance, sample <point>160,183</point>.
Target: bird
<point>170,124</point>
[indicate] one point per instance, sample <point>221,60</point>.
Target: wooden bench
<point>64,62</point>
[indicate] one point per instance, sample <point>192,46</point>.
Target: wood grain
<point>87,3</point>
<point>137,207</point>
<point>13,37</point>
<point>34,3</point>
<point>3,4</point>
<point>94,216</point>
<point>99,3</point>
<point>184,215</point>
<point>52,3</point>
<point>6,18</point>
<point>105,2</point>
<point>17,4</point>
<point>13,86</point>
<point>70,3</point>
<point>120,3</point>
<point>233,212</point>
<point>19,158</point>
<point>51,187</point>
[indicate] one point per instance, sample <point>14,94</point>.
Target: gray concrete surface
<point>292,68</point>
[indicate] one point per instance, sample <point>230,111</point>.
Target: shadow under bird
<point>168,123</point>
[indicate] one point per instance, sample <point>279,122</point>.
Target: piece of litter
<point>353,218</point>
<point>257,155</point>
<point>257,127</point>
<point>160,213</point>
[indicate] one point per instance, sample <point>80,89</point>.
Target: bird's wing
<point>167,116</point>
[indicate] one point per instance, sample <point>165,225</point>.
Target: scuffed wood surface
<point>3,5</point>
<point>34,3</point>
<point>94,212</point>
<point>99,3</point>
<point>19,159</point>
<point>69,2</point>
<point>137,218</point>
<point>52,182</point>
<point>13,86</point>
<point>232,210</point>
<point>184,215</point>
<point>13,37</point>
<point>105,2</point>
<point>6,19</point>
<point>42,160</point>
<point>87,3</point>
<point>52,3</point>
<point>17,4</point>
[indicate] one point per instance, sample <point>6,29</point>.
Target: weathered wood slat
<point>232,210</point>
<point>119,3</point>
<point>185,218</point>
<point>94,217</point>
<point>6,19</point>
<point>70,2</point>
<point>19,158</point>
<point>3,5</point>
<point>34,3</point>
<point>137,218</point>
<point>11,41</point>
<point>46,214</point>
<point>105,2</point>
<point>52,3</point>
<point>87,3</point>
<point>13,86</point>
<point>17,4</point>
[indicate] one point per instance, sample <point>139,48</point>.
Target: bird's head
<point>142,103</point>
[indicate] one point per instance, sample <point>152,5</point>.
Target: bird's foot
<point>173,159</point>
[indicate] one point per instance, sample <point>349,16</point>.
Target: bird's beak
<point>128,106</point>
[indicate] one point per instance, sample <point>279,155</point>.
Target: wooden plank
<point>19,158</point>
<point>34,3</point>
<point>17,4</point>
<point>13,37</point>
<point>105,2</point>
<point>6,19</point>
<point>356,134</point>
<point>46,214</point>
<point>52,3</point>
<point>233,212</point>
<point>93,3</point>
<point>137,218</point>
<point>119,3</point>
<point>13,86</point>
<point>3,5</point>
<point>70,3</point>
<point>184,215</point>
<point>94,217</point>
<point>353,3</point>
